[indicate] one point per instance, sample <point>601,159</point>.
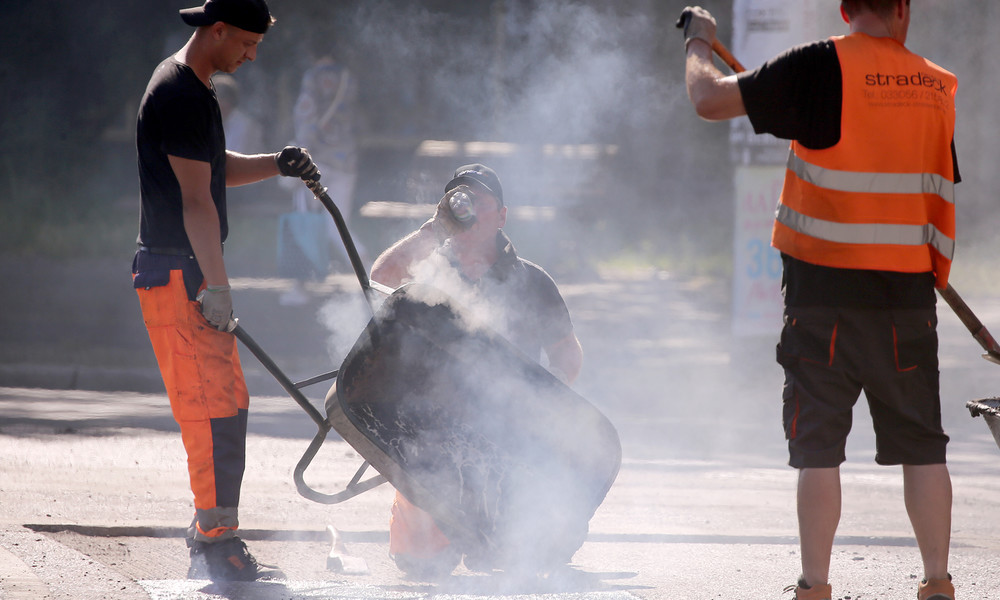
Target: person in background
<point>179,273</point>
<point>866,228</point>
<point>325,119</point>
<point>474,261</point>
<point>243,132</point>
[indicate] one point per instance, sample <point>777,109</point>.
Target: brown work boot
<point>821,591</point>
<point>936,589</point>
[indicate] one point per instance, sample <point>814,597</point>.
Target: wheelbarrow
<point>509,461</point>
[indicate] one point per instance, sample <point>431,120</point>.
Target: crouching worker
<point>464,251</point>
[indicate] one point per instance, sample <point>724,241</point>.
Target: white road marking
<point>184,589</point>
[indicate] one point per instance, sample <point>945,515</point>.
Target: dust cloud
<point>589,99</point>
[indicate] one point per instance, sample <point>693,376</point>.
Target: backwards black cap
<point>251,15</point>
<point>477,174</point>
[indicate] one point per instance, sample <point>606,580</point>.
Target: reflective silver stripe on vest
<point>872,183</point>
<point>866,233</point>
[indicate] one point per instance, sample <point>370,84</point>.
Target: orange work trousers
<point>413,535</point>
<point>201,371</point>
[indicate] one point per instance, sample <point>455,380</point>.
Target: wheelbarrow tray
<point>509,461</point>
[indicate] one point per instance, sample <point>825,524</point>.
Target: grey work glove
<point>295,162</point>
<point>698,24</point>
<point>217,306</point>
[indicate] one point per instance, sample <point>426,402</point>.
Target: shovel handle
<point>727,57</point>
<point>972,323</point>
<point>717,46</point>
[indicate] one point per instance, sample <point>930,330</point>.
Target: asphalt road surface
<point>94,496</point>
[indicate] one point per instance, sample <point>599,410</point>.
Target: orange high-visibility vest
<point>882,198</point>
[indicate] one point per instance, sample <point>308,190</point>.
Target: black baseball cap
<point>251,15</point>
<point>477,174</point>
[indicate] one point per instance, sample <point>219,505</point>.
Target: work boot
<point>428,568</point>
<point>821,591</point>
<point>199,566</point>
<point>936,589</point>
<point>228,560</point>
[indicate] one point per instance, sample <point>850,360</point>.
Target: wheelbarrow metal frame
<point>373,293</point>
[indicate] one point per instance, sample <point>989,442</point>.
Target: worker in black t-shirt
<point>179,273</point>
<point>474,262</point>
<point>866,229</point>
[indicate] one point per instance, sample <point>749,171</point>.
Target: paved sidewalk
<point>80,326</point>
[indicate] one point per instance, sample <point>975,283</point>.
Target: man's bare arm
<point>201,219</point>
<point>242,169</point>
<point>566,357</point>
<point>392,267</point>
<point>715,96</point>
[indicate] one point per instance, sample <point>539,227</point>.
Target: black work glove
<point>217,306</point>
<point>296,162</point>
<point>698,24</point>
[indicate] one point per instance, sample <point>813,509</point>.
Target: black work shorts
<point>831,355</point>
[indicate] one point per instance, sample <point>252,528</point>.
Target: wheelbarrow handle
<point>282,379</point>
<point>319,190</point>
<point>356,486</point>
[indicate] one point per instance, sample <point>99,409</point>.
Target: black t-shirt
<point>178,116</point>
<point>797,95</point>
<point>517,298</point>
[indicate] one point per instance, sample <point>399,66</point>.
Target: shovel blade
<point>989,409</point>
<point>339,560</point>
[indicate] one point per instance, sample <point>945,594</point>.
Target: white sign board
<point>761,30</point>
